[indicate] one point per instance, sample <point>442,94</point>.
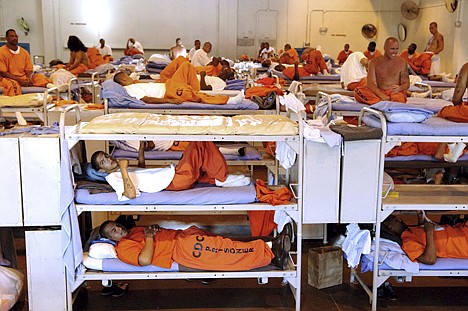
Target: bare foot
<point>438,178</point>
<point>441,150</point>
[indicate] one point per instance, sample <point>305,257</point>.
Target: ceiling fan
<point>409,10</point>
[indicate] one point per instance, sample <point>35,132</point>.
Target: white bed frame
<point>292,275</point>
<point>441,198</point>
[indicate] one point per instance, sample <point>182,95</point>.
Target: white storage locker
<point>46,271</point>
<point>321,183</point>
<point>10,181</point>
<point>359,181</point>
<point>40,170</point>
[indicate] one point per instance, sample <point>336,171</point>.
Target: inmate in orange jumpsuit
<point>195,248</point>
<point>370,56</point>
<point>95,58</point>
<point>422,64</point>
<point>315,63</point>
<point>290,57</point>
<point>366,96</point>
<point>184,85</point>
<point>450,243</point>
<point>343,56</point>
<point>409,60</point>
<point>201,162</point>
<point>19,65</point>
<point>458,113</point>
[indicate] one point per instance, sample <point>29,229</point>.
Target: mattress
<point>434,126</point>
<point>251,153</point>
<point>316,78</point>
<point>29,89</point>
<point>246,104</point>
<point>201,194</point>
<point>24,100</point>
<point>157,124</point>
<point>441,264</point>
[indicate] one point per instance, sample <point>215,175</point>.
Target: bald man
<point>435,45</point>
<point>200,57</point>
<point>387,77</point>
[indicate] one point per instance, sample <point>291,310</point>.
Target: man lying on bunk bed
<point>183,86</point>
<point>426,244</point>
<point>194,248</point>
<point>201,162</point>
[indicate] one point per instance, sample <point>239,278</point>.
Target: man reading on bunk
<point>427,241</point>
<point>387,77</point>
<point>194,248</point>
<point>183,86</point>
<point>201,162</point>
<point>16,68</point>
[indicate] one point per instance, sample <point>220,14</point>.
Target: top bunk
<point>147,126</point>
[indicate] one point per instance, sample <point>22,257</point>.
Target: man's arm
<point>146,255</point>
<point>440,44</point>
<point>129,187</point>
<point>404,79</point>
<point>462,84</point>
<point>154,100</point>
<point>429,256</point>
<point>372,81</point>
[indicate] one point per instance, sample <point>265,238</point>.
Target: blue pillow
<point>93,175</point>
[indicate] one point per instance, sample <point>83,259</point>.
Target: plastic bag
<point>11,284</point>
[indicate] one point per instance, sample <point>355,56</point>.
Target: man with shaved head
<point>200,57</point>
<point>387,77</point>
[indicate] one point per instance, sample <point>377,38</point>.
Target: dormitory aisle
<point>423,293</point>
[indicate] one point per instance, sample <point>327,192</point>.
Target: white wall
<point>242,24</point>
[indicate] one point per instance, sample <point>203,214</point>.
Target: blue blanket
<point>400,112</point>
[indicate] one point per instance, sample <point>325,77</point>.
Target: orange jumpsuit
<point>366,96</point>
<point>210,70</point>
<point>95,58</point>
<point>195,248</point>
<point>422,64</point>
<point>343,56</point>
<point>132,51</point>
<point>171,68</point>
<point>405,55</point>
<point>201,162</point>
<point>369,56</point>
<point>262,91</point>
<point>458,113</point>
<point>290,57</point>
<point>315,63</point>
<point>19,65</point>
<point>184,85</point>
<point>450,243</point>
<point>412,148</point>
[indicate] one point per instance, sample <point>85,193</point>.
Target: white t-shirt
<point>106,50</point>
<point>140,90</point>
<point>145,180</point>
<point>200,58</point>
<point>264,54</point>
<point>352,69</point>
<point>216,83</point>
<point>192,52</point>
<point>137,45</point>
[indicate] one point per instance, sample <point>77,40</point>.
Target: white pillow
<point>102,251</point>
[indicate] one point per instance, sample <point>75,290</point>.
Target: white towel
<point>356,243</point>
<point>285,154</point>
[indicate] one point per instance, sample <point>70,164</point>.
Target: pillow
<point>93,175</point>
<point>102,251</point>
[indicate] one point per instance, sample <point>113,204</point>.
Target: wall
<point>237,27</point>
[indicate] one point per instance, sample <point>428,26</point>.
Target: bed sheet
<point>441,264</point>
<point>24,100</point>
<point>430,127</point>
<point>201,194</point>
<point>251,153</point>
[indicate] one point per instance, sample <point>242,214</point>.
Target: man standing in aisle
<point>435,45</point>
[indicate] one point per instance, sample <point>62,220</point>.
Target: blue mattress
<point>116,265</point>
<point>432,104</point>
<point>251,153</point>
<point>202,194</point>
<point>314,78</point>
<point>420,157</point>
<point>434,126</point>
<point>441,264</point>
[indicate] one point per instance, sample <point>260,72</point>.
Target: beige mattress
<point>147,123</point>
<point>25,100</point>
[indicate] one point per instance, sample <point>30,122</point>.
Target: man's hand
<point>429,227</point>
<point>151,231</point>
<point>25,82</point>
<point>396,88</point>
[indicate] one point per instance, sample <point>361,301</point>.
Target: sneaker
<point>390,292</point>
<point>381,292</point>
<point>203,281</point>
<point>108,290</point>
<point>119,290</point>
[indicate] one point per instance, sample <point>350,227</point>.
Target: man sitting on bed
<point>353,70</point>
<point>387,77</point>
<point>201,162</point>
<point>314,65</point>
<point>425,244</point>
<point>194,248</point>
<point>459,111</point>
<point>183,86</point>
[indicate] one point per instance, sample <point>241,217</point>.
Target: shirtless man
<point>387,77</point>
<point>459,111</point>
<point>178,50</point>
<point>435,45</point>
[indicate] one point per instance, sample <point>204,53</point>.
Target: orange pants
<point>210,70</point>
<point>80,69</point>
<point>366,96</point>
<point>422,64</point>
<point>196,248</point>
<point>185,86</point>
<point>170,70</point>
<point>458,113</point>
<point>201,162</point>
<point>262,91</point>
<point>411,148</point>
<point>290,71</point>
<point>131,52</point>
<point>13,88</point>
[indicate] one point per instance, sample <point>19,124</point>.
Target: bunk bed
<point>415,197</point>
<point>145,126</point>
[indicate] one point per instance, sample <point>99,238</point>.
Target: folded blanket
<point>121,99</point>
<point>400,112</point>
